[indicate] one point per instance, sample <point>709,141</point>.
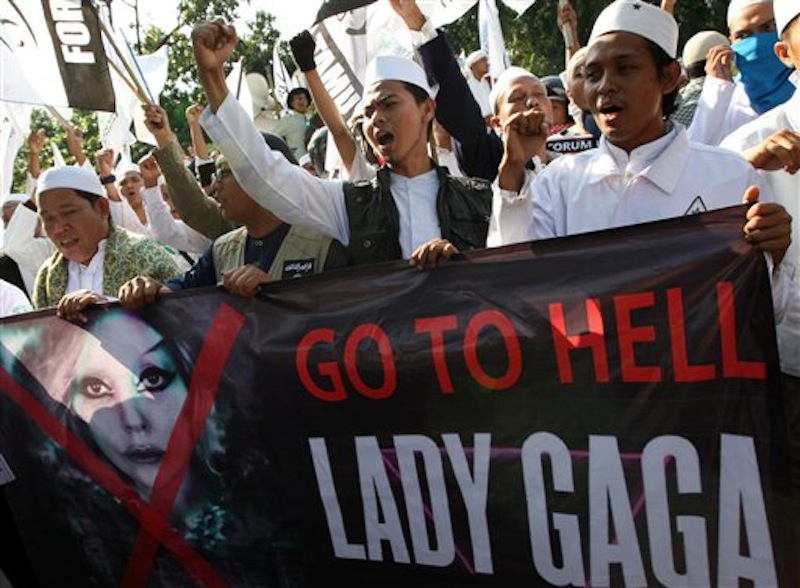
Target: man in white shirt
<point>476,71</point>
<point>293,123</point>
<point>21,242</point>
<point>645,168</point>
<point>412,208</point>
<point>9,205</point>
<point>12,300</point>
<point>163,225</point>
<point>772,143</point>
<point>726,104</point>
<point>93,258</point>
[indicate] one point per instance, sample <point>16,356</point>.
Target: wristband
<point>110,179</point>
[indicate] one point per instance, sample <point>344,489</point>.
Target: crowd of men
<point>628,133</point>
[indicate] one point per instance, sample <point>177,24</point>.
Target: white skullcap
<point>639,18</point>
<point>697,47</point>
<point>386,68</point>
<point>579,57</point>
<point>128,168</point>
<point>15,198</point>
<point>736,7</point>
<point>71,177</point>
<point>504,81</point>
<point>785,12</point>
<point>475,57</point>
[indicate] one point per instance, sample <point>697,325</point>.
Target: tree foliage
<point>534,42</point>
<point>182,87</point>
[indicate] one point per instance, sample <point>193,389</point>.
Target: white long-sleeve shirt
<point>124,216</point>
<point>786,189</point>
<point>12,300</point>
<point>169,230</point>
<point>24,247</point>
<point>298,198</point>
<point>480,91</point>
<point>606,187</point>
<point>722,108</point>
<point>511,211</point>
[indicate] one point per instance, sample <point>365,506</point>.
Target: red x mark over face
<point>153,516</point>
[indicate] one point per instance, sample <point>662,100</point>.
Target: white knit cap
<point>785,12</point>
<point>71,177</point>
<point>475,57</point>
<point>736,6</point>
<point>386,68</point>
<point>504,81</point>
<point>697,47</point>
<point>640,18</point>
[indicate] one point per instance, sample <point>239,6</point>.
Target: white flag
<point>238,86</point>
<point>58,157</point>
<point>52,53</point>
<point>443,12</point>
<point>519,6</point>
<point>346,43</point>
<point>491,36</point>
<point>115,128</point>
<point>281,80</point>
<point>14,128</point>
<point>154,69</point>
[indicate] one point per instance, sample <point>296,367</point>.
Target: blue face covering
<point>765,78</point>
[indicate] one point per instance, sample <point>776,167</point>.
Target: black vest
<point>463,205</point>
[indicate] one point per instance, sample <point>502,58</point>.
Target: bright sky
<point>164,13</point>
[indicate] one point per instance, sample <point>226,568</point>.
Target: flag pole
<point>65,124</point>
<point>134,88</point>
<point>133,81</point>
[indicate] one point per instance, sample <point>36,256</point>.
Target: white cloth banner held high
<point>237,84</point>
<point>52,54</point>
<point>519,6</point>
<point>14,128</point>
<point>491,37</point>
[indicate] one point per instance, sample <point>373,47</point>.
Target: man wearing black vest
<point>412,210</point>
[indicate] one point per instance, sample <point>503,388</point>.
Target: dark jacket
<point>478,148</point>
<point>463,206</point>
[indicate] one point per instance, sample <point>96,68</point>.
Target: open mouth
<point>145,454</point>
<point>384,139</point>
<point>67,243</point>
<point>609,109</point>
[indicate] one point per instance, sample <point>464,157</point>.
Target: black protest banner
<point>596,410</point>
<point>79,51</point>
<point>54,54</point>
